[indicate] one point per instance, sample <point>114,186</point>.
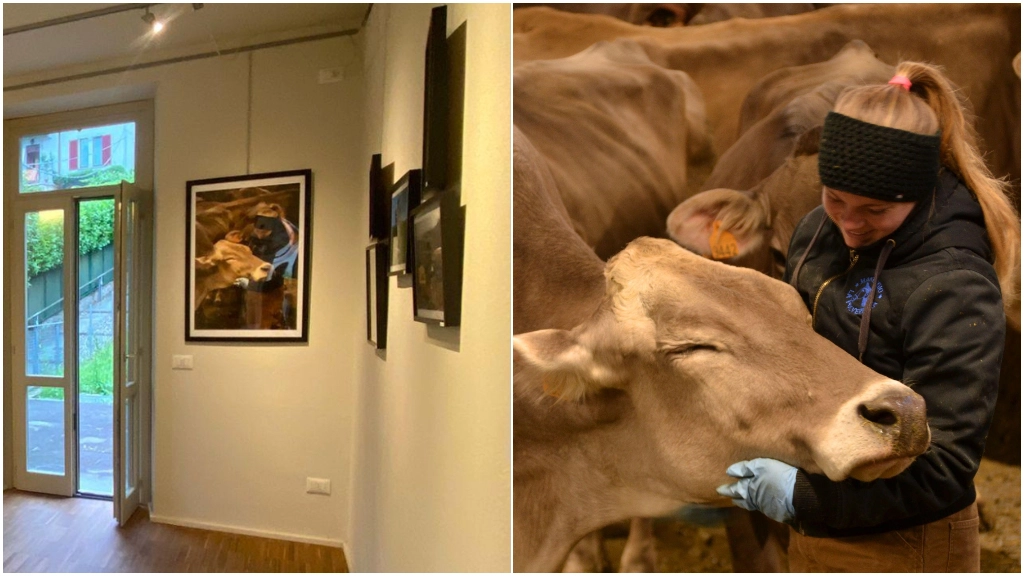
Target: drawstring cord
<point>803,257</point>
<point>865,319</point>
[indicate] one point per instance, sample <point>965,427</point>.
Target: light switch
<point>181,362</point>
<point>330,75</point>
<point>318,486</point>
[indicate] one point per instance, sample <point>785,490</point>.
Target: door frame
<point>140,112</point>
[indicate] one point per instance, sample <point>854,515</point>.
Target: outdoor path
<point>46,441</point>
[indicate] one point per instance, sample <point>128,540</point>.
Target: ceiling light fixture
<point>151,20</point>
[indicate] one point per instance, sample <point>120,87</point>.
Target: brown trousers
<point>951,544</point>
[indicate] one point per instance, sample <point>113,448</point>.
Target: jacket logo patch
<point>857,298</point>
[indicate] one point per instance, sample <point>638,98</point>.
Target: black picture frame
<point>435,104</point>
<point>378,192</point>
<point>377,294</point>
<point>437,227</point>
<point>405,196</point>
<point>247,257</point>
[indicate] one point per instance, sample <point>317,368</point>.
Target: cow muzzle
<point>876,435</point>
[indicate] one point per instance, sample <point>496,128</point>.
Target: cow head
<point>690,365</point>
<point>752,228</point>
<point>268,221</point>
<point>226,263</point>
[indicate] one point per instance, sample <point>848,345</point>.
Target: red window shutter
<point>106,150</point>
<point>73,156</point>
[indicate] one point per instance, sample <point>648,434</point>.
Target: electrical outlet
<point>318,486</point>
<point>181,362</point>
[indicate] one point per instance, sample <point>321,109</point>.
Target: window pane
<point>45,430</point>
<point>44,293</point>
<point>96,156</point>
<point>96,346</point>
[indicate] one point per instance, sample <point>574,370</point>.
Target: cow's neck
<point>566,484</point>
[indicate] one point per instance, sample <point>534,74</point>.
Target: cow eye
<point>687,350</point>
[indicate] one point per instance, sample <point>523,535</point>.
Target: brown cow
<point>726,59</point>
<point>667,369</point>
<point>622,137</point>
<point>223,266</point>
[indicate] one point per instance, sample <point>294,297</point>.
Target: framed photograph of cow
<point>437,231</point>
<point>247,258</point>
<point>405,195</point>
<point>377,294</point>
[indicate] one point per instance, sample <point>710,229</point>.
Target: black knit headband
<point>876,161</point>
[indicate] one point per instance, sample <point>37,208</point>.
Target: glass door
<point>132,365</point>
<point>95,352</point>
<point>43,366</point>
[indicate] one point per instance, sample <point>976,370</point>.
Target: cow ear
<point>721,224</point>
<point>204,263</point>
<point>568,367</point>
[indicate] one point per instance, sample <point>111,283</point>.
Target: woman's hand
<point>765,485</point>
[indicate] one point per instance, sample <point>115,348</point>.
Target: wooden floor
<point>52,534</point>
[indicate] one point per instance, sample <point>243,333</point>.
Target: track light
<point>151,20</point>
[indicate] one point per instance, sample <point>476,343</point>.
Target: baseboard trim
<point>190,523</point>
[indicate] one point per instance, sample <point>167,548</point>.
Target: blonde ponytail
<point>960,153</point>
<point>937,104</point>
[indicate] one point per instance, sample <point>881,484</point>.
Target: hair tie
<point>901,81</point>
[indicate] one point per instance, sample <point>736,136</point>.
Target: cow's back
<point>620,135</point>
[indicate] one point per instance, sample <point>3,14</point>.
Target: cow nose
<point>880,411</point>
<point>902,416</point>
<point>265,268</point>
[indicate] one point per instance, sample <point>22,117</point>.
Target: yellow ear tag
<point>723,243</point>
<point>547,389</point>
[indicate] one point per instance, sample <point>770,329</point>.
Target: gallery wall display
<point>247,264</point>
<point>405,196</point>
<point>437,231</point>
<point>377,294</point>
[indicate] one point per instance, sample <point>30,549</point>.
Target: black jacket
<point>937,325</point>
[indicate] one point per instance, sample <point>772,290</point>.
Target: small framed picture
<point>378,200</point>
<point>377,294</point>
<point>405,196</point>
<point>437,231</point>
<point>247,264</point>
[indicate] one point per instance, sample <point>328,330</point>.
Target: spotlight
<point>151,20</point>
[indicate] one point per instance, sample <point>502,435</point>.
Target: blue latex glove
<point>765,485</point>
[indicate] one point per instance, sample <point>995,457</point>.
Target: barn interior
<point>734,54</point>
<point>264,456</point>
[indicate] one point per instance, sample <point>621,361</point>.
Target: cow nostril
<point>879,414</point>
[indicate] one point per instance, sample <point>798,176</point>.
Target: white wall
<point>235,438</point>
<point>431,477</point>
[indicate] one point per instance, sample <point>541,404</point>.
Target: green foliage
<point>44,240</point>
<point>49,393</point>
<point>96,375</point>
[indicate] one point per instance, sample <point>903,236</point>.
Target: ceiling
<point>123,38</point>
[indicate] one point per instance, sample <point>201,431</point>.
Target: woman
<point>906,266</point>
